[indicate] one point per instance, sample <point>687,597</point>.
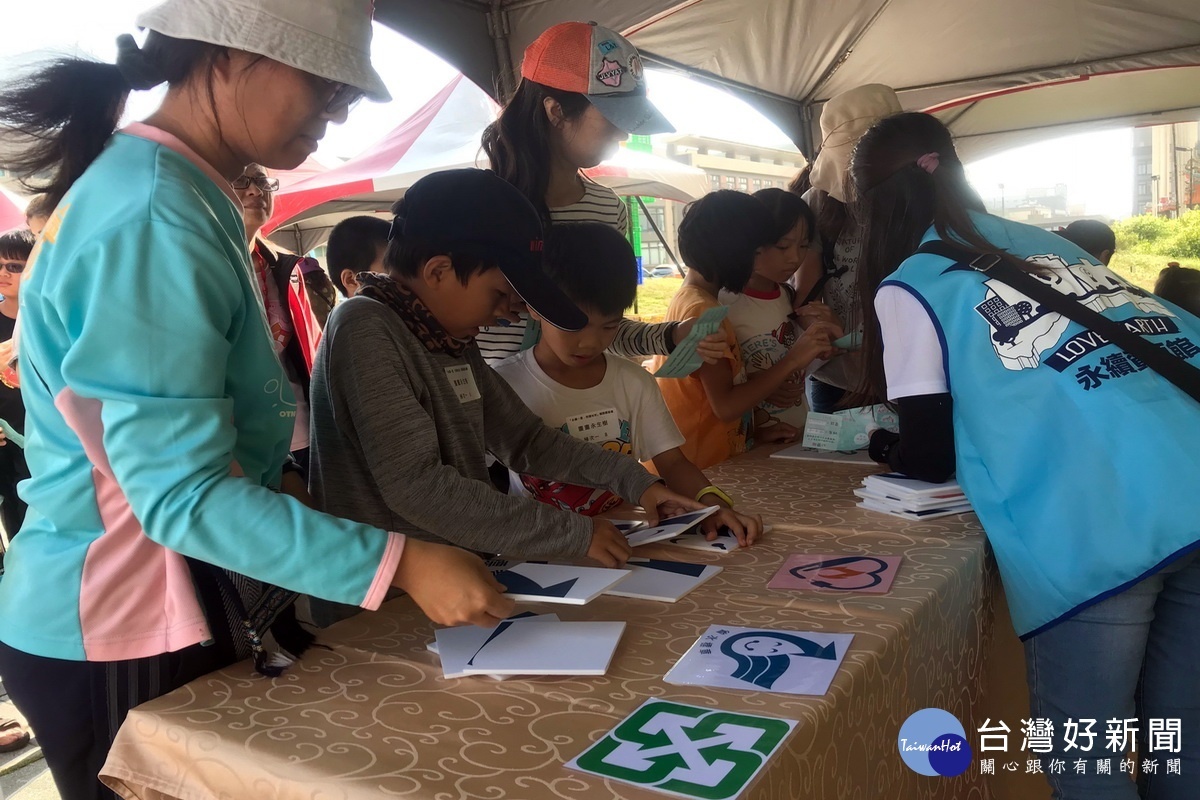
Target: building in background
<point>1166,165</point>
<point>729,165</point>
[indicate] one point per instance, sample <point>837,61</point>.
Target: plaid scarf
<point>413,312</point>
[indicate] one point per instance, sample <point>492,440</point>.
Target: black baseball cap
<point>476,212</point>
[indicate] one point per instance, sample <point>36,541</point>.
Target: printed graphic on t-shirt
<point>1023,332</point>
<point>584,499</point>
<point>765,350</point>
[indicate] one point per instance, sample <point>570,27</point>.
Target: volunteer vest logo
<point>1022,330</point>
<point>685,750</point>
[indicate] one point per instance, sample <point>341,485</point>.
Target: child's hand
<point>746,527</point>
<point>776,433</point>
<point>609,546</point>
<point>450,585</point>
<point>817,342</point>
<point>660,502</point>
<point>711,348</point>
<point>3,438</point>
<point>815,311</point>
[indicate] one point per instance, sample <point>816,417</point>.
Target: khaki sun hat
<point>327,38</point>
<point>845,118</point>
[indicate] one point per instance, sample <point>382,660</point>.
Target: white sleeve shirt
<point>913,355</point>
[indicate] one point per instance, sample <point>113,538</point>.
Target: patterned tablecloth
<point>372,717</point>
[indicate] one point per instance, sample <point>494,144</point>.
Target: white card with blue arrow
<point>530,646</point>
<point>528,582</point>
<point>654,579</point>
<point>762,660</point>
<point>465,641</point>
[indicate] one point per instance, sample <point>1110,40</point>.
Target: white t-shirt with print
<point>624,412</point>
<point>765,333</point>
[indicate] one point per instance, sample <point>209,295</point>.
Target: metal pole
<point>497,21</point>
<point>659,234</point>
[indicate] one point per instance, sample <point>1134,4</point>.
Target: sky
<point>1097,167</point>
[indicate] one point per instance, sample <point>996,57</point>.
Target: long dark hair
<point>896,201</point>
<point>57,117</point>
<point>518,143</point>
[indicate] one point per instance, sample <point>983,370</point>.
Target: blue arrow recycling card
<point>554,583</point>
<point>788,662</point>
<point>667,581</point>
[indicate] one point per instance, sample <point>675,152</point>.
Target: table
<point>372,717</point>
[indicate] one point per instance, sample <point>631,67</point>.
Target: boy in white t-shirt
<point>761,314</point>
<point>569,381</point>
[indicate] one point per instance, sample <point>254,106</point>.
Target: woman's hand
<point>747,528</point>
<point>711,348</point>
<point>660,503</point>
<point>452,586</point>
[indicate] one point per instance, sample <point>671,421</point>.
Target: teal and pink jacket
<point>158,421</point>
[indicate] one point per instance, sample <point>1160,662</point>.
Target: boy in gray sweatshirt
<point>404,409</point>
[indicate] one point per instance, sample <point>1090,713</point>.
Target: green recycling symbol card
<point>685,750</point>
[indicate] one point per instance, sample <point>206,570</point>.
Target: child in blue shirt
<point>569,381</point>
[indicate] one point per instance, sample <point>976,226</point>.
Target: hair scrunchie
<point>135,68</point>
<point>929,162</point>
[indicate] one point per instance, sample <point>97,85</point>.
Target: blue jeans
<point>1133,655</point>
<point>822,397</point>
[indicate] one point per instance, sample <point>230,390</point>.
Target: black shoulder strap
<point>1175,369</point>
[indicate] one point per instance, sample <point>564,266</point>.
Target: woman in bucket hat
<point>582,93</point>
<point>156,436</point>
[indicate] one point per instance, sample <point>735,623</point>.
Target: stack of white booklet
<point>909,498</point>
<point>528,645</point>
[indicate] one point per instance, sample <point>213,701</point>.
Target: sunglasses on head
<point>15,267</point>
<point>263,182</point>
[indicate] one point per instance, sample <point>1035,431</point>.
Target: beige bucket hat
<point>845,118</point>
<point>327,38</point>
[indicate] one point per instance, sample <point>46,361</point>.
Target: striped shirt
<point>598,204</point>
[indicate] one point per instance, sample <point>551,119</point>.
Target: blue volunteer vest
<point>1080,462</point>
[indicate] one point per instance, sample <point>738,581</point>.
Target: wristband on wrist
<point>714,491</point>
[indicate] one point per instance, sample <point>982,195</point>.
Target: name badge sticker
<point>463,382</point>
<point>596,426</point>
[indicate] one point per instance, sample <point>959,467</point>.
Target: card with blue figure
<point>762,660</point>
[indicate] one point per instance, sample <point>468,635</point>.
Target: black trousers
<point>76,707</point>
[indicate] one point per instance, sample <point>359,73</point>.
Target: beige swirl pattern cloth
<point>371,717</point>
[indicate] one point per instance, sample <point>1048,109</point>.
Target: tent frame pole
<point>498,29</point>
<point>654,226</point>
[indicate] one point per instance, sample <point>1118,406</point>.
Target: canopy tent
<point>788,57</point>
<point>443,134</point>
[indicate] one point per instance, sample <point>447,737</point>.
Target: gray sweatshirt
<point>395,445</point>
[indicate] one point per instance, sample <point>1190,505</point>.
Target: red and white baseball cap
<point>600,63</point>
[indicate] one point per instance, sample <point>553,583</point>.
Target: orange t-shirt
<point>709,441</point>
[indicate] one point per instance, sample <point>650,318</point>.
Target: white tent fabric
<point>790,56</point>
<point>443,134</point>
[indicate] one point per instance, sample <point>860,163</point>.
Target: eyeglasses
<point>264,183</point>
<point>342,96</point>
<point>15,267</point>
